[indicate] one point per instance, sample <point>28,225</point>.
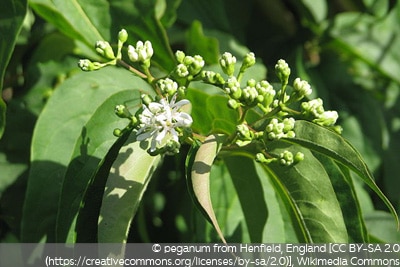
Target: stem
<point>149,77</point>
<point>242,115</point>
<point>132,69</point>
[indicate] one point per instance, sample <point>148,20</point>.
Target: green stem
<point>132,69</point>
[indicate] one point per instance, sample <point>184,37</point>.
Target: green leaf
<point>381,226</point>
<point>210,113</point>
<point>199,44</point>
<point>87,21</point>
<point>90,149</point>
<point>331,144</point>
<point>53,144</point>
<point>89,209</point>
<point>198,168</point>
<point>126,183</point>
<point>347,197</point>
<point>12,13</point>
<point>251,195</point>
<point>309,197</point>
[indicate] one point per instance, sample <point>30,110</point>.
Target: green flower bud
<point>168,86</point>
<point>267,91</point>
<point>146,99</point>
<point>182,91</point>
<point>122,112</point>
<point>298,157</point>
<point>196,64</point>
<point>141,53</point>
<point>261,158</point>
<point>232,87</point>
<point>288,124</point>
<point>227,63</point>
<point>313,107</point>
<point>290,134</point>
<point>303,88</point>
<point>233,104</point>
<point>244,132</point>
<point>104,49</point>
<point>87,65</point>
<point>212,77</point>
<point>248,61</point>
<point>117,132</point>
<point>134,121</point>
<point>180,56</point>
<point>249,95</point>
<point>282,70</point>
<point>251,83</point>
<point>182,71</point>
<point>327,118</point>
<point>286,158</point>
<point>122,36</point>
<point>276,130</point>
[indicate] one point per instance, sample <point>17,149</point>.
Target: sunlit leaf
<point>307,192</point>
<point>331,144</point>
<point>126,184</point>
<point>198,168</point>
<point>86,21</point>
<point>58,129</point>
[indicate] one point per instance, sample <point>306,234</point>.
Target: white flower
<point>159,122</point>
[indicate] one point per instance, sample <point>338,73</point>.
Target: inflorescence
<point>164,123</point>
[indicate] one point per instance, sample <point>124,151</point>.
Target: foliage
<point>259,169</point>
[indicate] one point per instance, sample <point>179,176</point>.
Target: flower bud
<point>141,53</point>
<point>117,132</point>
<point>104,49</point>
<point>196,64</point>
<point>182,71</point>
<point>286,158</point>
<point>233,104</point>
<point>180,56</point>
<point>122,36</point>
<point>298,157</point>
<point>282,70</point>
<point>227,63</point>
<point>249,95</point>
<point>232,87</point>
<point>248,61</point>
<point>328,118</point>
<point>122,112</point>
<point>212,77</point>
<point>244,132</point>
<point>146,99</point>
<point>168,86</point>
<point>87,65</point>
<point>303,88</point>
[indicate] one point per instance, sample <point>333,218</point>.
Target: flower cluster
<point>188,66</point>
<point>315,111</point>
<point>142,52</point>
<point>163,123</point>
<point>276,130</point>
